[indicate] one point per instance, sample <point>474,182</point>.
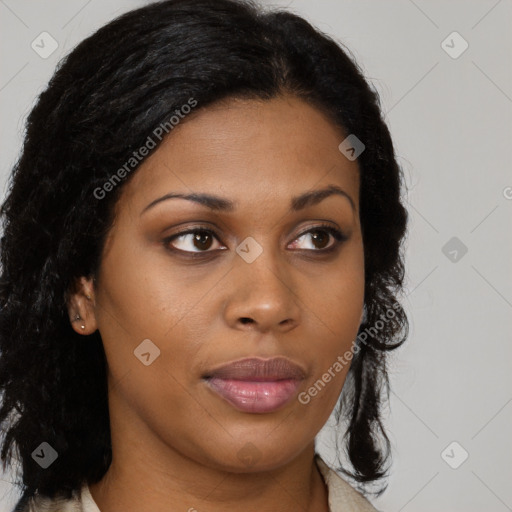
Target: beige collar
<point>342,496</point>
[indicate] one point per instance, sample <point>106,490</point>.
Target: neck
<point>153,476</point>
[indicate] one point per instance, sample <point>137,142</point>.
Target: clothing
<point>342,497</point>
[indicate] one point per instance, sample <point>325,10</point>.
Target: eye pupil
<point>323,237</point>
<point>200,237</point>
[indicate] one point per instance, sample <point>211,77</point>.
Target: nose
<point>262,297</point>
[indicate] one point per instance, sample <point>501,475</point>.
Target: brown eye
<point>194,240</point>
<point>320,237</point>
<point>202,240</point>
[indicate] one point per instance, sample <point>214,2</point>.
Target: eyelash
<point>338,236</point>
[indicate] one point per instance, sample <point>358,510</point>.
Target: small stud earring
<point>83,326</point>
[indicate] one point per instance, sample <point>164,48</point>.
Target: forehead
<point>248,150</point>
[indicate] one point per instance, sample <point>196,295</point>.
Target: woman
<point>200,261</point>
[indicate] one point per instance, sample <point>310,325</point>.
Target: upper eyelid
<point>194,229</point>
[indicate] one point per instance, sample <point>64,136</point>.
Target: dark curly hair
<point>103,101</point>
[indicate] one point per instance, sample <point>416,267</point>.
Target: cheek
<point>142,293</point>
<point>337,296</point>
<point>148,313</point>
<point>336,310</point>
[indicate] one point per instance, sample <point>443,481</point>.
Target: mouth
<point>256,385</point>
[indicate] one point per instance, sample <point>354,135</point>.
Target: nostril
<point>245,320</point>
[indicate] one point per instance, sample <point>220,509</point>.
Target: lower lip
<point>255,397</point>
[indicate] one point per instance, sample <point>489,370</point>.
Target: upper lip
<point>257,369</point>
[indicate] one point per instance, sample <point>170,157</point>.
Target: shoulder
<point>342,496</point>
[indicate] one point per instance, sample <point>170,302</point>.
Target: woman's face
<point>250,283</point>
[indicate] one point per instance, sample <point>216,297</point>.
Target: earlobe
<point>81,306</point>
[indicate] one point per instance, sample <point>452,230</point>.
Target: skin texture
<point>176,444</point>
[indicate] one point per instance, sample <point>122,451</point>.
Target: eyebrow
<point>217,203</point>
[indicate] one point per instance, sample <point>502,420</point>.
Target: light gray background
<point>451,120</point>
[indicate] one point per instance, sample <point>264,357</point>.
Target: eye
<point>193,240</point>
<point>319,236</point>
<point>201,240</point>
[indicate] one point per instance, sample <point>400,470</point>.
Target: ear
<point>82,306</point>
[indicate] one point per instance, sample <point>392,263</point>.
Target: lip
<point>256,385</point>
